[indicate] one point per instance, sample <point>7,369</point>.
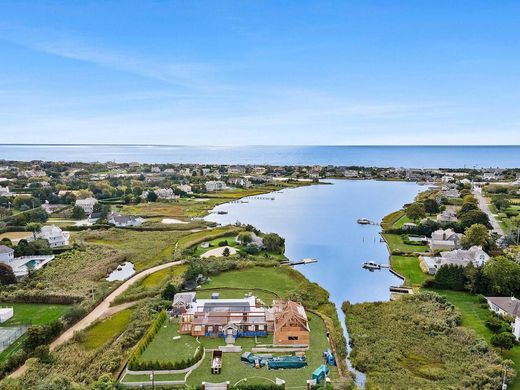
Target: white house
<point>87,204</point>
<point>240,182</point>
<point>215,185</point>
<point>166,194</point>
<point>350,173</point>
<point>54,236</point>
<point>124,220</point>
<point>474,255</point>
<point>507,306</point>
<point>6,254</point>
<point>444,239</point>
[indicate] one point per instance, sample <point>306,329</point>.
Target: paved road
<point>101,310</point>
<point>477,191</point>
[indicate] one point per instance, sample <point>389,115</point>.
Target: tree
<point>415,211</point>
<point>274,243</point>
<point>78,213</point>
<point>151,196</point>
<point>503,275</point>
<point>501,202</point>
<point>451,277</point>
<point>33,227</point>
<point>504,340</point>
<point>467,207</point>
<point>43,354</point>
<point>431,206</point>
<point>6,275</point>
<point>169,292</point>
<point>472,217</point>
<point>225,252</point>
<point>245,238</point>
<point>476,234</point>
<point>470,199</point>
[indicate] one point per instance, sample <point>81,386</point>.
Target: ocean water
<point>378,156</point>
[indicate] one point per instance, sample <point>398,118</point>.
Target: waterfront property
<point>508,307</point>
<point>21,265</point>
<point>242,317</point>
<point>475,255</point>
<point>444,239</point>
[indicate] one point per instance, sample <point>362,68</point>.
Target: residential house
<point>291,326</point>
<point>475,255</point>
<point>444,239</point>
<point>241,317</point>
<point>6,254</point>
<point>53,235</point>
<point>87,204</point>
<point>182,302</point>
<point>236,170</point>
<point>119,220</point>
<point>185,188</point>
<point>350,173</point>
<point>448,215</point>
<point>507,306</point>
<point>239,182</point>
<point>450,193</point>
<point>215,185</point>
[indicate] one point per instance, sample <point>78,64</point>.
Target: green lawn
<point>474,316</point>
<point>275,279</point>
<point>227,293</point>
<point>214,244</point>
<point>395,242</point>
<point>157,377</point>
<point>35,313</point>
<point>233,370</point>
<point>107,329</point>
<point>409,267</point>
<point>164,348</point>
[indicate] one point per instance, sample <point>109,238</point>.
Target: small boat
<point>222,212</point>
<point>363,221</point>
<point>371,265</point>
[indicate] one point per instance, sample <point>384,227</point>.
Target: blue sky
<point>260,72</point>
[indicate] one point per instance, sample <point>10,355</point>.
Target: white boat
<point>371,265</point>
<point>363,221</point>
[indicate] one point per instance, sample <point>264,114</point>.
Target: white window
<point>197,328</point>
<point>260,327</point>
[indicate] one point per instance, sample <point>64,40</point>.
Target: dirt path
<point>100,311</point>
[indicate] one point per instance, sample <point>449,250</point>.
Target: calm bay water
<point>379,156</point>
<point>320,222</point>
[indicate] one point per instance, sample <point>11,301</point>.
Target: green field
<point>106,330</point>
<point>408,266</point>
<point>274,279</point>
<point>474,316</point>
<point>157,279</point>
<point>395,243</point>
<point>34,314</point>
<point>227,293</point>
<point>233,370</point>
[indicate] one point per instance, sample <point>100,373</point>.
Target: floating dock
<point>300,262</point>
